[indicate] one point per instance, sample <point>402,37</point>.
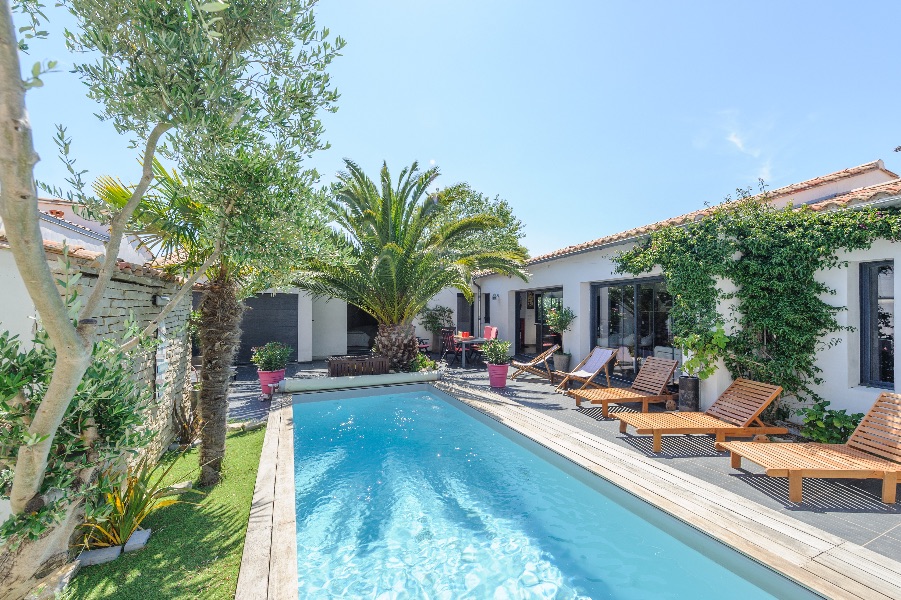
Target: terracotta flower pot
<point>269,377</point>
<point>497,375</point>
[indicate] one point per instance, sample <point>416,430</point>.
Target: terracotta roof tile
<point>91,257</point>
<point>838,201</point>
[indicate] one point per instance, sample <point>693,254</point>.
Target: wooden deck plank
<point>253,576</point>
<point>283,557</point>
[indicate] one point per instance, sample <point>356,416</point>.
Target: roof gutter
<point>886,202</point>
<point>66,225</point>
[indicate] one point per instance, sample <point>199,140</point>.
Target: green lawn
<point>194,551</point>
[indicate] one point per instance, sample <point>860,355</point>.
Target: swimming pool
<point>415,495</point>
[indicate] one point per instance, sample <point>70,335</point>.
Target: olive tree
<point>182,78</point>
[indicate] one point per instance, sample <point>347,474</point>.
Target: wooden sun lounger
<point>533,365</point>
<point>872,452</point>
<point>649,387</point>
<point>598,360</point>
<point>736,413</point>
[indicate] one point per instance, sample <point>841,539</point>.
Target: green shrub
<point>828,426</point>
<point>437,317</point>
<point>422,363</point>
<point>271,357</point>
<point>495,352</point>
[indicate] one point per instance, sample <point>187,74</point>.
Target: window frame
<point>869,342</point>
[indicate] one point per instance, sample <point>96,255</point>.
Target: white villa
<point>613,310</point>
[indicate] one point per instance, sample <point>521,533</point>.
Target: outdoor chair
<point>599,360</point>
<point>872,452</point>
<point>649,387</point>
<point>736,413</point>
<point>475,352</point>
<point>537,366</point>
<point>449,345</point>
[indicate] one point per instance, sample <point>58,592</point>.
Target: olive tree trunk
<point>220,334</point>
<point>398,343</point>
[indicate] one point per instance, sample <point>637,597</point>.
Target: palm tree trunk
<point>398,343</point>
<point>220,334</point>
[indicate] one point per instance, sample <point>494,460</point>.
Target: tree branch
<point>185,289</point>
<point>120,222</point>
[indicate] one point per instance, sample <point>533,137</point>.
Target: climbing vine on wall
<point>778,314</point>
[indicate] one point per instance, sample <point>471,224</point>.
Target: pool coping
<point>269,561</point>
<point>818,560</point>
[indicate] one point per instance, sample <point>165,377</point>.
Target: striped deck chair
<point>872,452</point>
<point>599,360</point>
<point>538,365</point>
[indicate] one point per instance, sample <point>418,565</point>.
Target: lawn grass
<point>194,551</point>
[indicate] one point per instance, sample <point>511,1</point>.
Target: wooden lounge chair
<point>735,413</point>
<point>538,365</point>
<point>872,452</point>
<point>649,387</point>
<point>599,360</point>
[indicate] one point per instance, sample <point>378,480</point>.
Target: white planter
<point>99,556</point>
<point>137,540</point>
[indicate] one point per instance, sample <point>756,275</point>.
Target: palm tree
<point>400,252</point>
<point>212,223</point>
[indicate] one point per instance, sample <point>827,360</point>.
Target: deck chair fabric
<point>537,366</point>
<point>736,413</point>
<point>872,452</point>
<point>599,360</point>
<point>649,387</point>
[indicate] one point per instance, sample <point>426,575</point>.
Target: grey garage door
<point>268,318</point>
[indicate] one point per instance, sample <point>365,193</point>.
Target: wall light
<point>160,300</point>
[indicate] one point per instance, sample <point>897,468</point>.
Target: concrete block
<point>137,540</point>
<point>99,556</point>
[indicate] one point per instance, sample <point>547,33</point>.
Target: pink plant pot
<point>270,377</point>
<point>497,375</point>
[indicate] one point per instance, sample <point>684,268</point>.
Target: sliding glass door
<point>634,319</point>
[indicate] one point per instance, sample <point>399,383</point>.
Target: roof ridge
<point>807,184</point>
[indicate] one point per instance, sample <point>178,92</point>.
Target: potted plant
<point>435,319</point>
<point>496,355</point>
<point>559,320</point>
<point>703,353</point>
<point>271,361</point>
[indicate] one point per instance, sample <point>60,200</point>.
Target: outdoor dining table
<point>464,341</point>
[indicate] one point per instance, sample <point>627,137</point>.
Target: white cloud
<point>432,162</point>
<point>765,171</point>
<point>737,140</point>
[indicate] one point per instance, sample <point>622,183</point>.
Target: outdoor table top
<point>470,340</point>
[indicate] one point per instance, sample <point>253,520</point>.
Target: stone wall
<point>129,297</point>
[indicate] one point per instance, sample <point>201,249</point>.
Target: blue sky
<point>589,117</point>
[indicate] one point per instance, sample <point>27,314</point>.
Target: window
<point>634,318</point>
<point>877,324</point>
<point>487,308</point>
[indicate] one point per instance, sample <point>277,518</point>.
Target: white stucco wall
<point>329,328</point>
<point>304,327</point>
<point>17,313</point>
<point>575,274</point>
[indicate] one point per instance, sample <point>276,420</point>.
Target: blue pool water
<point>411,495</point>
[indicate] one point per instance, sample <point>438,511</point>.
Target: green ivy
<point>778,316</point>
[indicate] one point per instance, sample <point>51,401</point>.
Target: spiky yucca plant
<point>401,252</point>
